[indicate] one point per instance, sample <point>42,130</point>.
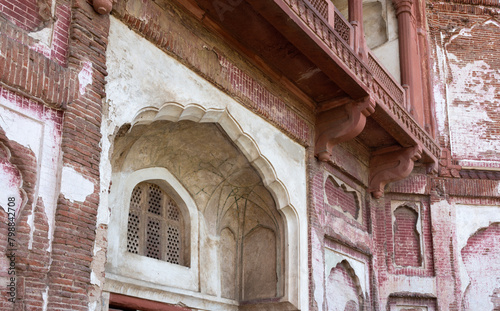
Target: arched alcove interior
<point>242,232</point>
<point>343,291</point>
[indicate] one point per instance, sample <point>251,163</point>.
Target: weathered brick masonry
<point>429,243</point>
<point>47,76</point>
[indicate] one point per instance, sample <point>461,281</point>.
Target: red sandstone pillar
<point>356,20</point>
<point>411,70</point>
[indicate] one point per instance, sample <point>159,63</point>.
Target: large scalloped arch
<point>175,112</point>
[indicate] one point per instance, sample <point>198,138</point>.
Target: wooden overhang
<point>313,47</point>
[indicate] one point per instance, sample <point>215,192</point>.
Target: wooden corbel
<point>391,164</point>
<point>340,124</point>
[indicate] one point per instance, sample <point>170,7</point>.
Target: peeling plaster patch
<point>107,126</point>
<point>94,279</point>
<point>85,76</point>
<point>44,37</point>
<point>10,181</point>
<point>32,229</point>
<point>74,186</point>
<point>38,129</point>
<point>441,89</point>
<point>472,96</point>
<point>45,299</point>
<point>471,89</point>
<point>493,22</point>
<point>317,267</point>
<point>92,306</point>
<point>332,259</point>
<point>96,249</point>
<point>17,125</point>
<point>471,218</point>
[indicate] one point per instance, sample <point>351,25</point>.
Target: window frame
<point>127,267</point>
<point>142,210</point>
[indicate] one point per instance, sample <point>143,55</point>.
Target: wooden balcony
<point>323,55</point>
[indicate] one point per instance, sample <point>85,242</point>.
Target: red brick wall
<point>31,265</point>
<point>32,73</point>
<point>23,13</point>
<point>406,238</point>
<point>387,237</point>
<point>464,37</point>
<point>57,47</point>
<point>48,76</point>
<point>337,196</point>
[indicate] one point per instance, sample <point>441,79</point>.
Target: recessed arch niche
<point>245,218</point>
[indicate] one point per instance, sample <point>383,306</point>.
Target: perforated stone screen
<point>155,225</point>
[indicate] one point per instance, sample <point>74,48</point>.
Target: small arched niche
<point>407,240</point>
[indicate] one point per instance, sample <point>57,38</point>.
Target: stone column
<point>411,70</point>
<point>356,20</point>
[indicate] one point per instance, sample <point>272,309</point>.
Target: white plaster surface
<point>44,36</point>
<point>467,122</point>
<point>414,284</point>
<point>471,218</point>
<point>34,127</point>
<point>440,69</point>
<point>74,186</point>
<point>388,55</point>
<point>85,77</point>
<point>461,104</point>
<point>94,279</point>
<point>317,268</point>
<point>45,299</point>
<point>10,185</point>
<point>140,75</point>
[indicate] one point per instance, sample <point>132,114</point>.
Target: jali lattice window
<point>155,225</point>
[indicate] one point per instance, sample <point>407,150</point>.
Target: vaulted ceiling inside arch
<point>205,161</point>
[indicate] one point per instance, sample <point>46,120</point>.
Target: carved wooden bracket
<point>339,124</point>
<point>103,6</point>
<point>391,164</point>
